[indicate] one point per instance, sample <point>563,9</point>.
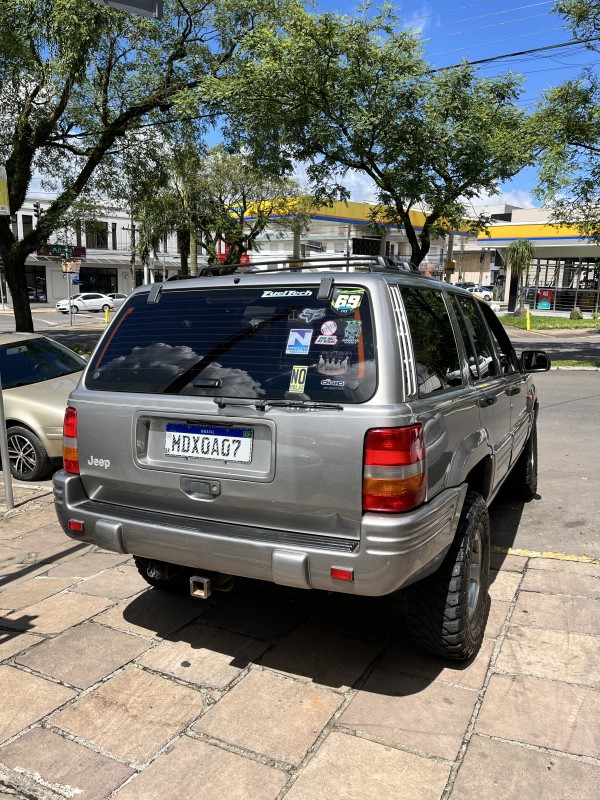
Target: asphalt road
<point>560,345</point>
<point>565,516</point>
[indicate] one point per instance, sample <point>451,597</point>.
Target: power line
<point>478,5</point>
<point>498,41</point>
<point>515,54</point>
<point>486,27</point>
<point>498,23</point>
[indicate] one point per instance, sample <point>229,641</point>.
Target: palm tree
<point>519,255</point>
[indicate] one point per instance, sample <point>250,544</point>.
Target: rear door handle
<point>487,401</point>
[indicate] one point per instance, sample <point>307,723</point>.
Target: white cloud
<point>360,186</point>
<point>512,197</point>
<point>420,18</point>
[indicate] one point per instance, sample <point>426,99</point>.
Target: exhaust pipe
<point>202,586</point>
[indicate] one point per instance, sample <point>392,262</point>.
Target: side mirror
<point>535,361</point>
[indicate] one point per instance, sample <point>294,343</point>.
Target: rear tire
<point>27,455</point>
<point>523,479</point>
<point>447,611</point>
<point>105,308</point>
<point>178,584</point>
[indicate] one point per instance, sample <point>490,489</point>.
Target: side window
<point>504,348</point>
<point>436,354</point>
<point>482,362</point>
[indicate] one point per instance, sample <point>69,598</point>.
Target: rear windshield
<point>264,343</point>
<point>36,360</point>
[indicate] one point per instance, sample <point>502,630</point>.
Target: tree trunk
<point>14,255</point>
<point>183,240</point>
<point>14,267</point>
<point>419,245</point>
<point>193,253</point>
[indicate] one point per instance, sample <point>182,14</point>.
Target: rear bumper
<point>394,550</point>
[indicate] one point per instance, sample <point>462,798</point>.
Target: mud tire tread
<point>438,608</point>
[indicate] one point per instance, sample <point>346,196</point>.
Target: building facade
<point>563,275</point>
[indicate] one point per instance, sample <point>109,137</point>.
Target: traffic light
<point>37,210</point>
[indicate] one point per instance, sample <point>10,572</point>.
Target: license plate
<point>209,442</point>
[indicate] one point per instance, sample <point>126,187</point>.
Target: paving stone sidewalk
<point>111,689</point>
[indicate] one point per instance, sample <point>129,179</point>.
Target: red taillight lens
<point>70,452</point>
<point>394,477</point>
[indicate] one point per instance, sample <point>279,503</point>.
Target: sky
<point>455,30</point>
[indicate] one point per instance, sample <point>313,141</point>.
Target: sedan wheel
<point>75,309</point>
<point>27,455</point>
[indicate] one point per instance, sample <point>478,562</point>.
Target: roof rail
<point>346,263</point>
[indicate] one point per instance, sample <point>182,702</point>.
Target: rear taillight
<point>394,477</point>
<point>70,452</point>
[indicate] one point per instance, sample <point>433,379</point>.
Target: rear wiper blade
<point>263,405</point>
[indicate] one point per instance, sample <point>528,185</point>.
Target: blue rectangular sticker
<point>298,343</point>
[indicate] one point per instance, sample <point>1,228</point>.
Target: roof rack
<point>353,263</point>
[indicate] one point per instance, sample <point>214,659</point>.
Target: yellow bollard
<point>527,318</point>
<point>107,311</point>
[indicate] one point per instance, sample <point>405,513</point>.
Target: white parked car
<point>118,298</point>
<point>87,301</point>
<point>480,291</point>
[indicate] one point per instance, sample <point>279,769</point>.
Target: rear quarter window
<point>263,343</point>
<point>437,360</point>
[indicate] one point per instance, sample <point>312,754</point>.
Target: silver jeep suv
<point>319,427</point>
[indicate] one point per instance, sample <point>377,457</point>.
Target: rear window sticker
<point>329,328</point>
<point>329,340</point>
<point>346,301</point>
<point>327,383</point>
<point>352,331</point>
<point>298,343</point>
<point>287,293</point>
<point>312,314</point>
<point>334,363</point>
<point>298,379</point>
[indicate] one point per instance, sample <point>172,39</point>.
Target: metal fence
<point>564,284</point>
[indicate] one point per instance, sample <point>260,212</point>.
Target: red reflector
<point>339,574</point>
<point>75,525</point>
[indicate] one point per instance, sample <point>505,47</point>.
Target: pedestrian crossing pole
<point>8,489</point>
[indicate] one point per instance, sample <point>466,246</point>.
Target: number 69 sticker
<point>347,301</point>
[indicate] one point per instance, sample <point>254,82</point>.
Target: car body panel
<point>118,298</point>
<point>295,510</point>
<point>40,405</point>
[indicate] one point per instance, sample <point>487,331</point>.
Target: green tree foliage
<point>567,128</point>
<point>216,201</point>
<point>519,255</point>
<point>77,78</point>
<point>582,17</point>
<point>353,93</point>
